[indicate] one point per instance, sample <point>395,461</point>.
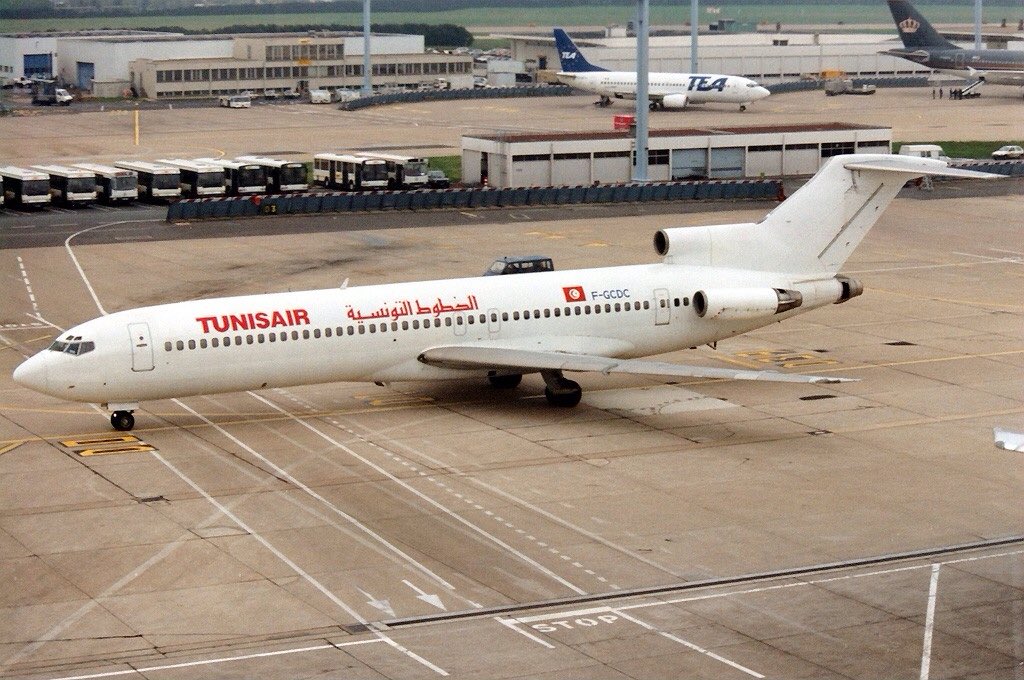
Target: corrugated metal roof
<point>513,138</point>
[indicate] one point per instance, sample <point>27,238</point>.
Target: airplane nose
<point>762,92</point>
<point>33,374</point>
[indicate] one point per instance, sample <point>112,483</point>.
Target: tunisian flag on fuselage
<point>574,294</point>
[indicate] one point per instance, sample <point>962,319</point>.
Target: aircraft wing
<point>1011,441</point>
<point>900,164</point>
<point>475,357</point>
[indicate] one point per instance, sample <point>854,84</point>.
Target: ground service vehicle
<point>46,93</point>
<point>113,185</point>
<point>23,187</point>
<point>436,179</point>
<point>520,264</point>
<point>404,172</point>
<point>350,173</point>
<point>846,86</point>
<point>198,180</point>
<point>319,96</point>
<point>236,101</point>
<point>1008,152</point>
<point>155,182</point>
<point>282,176</point>
<point>240,178</point>
<point>70,186</point>
<point>922,150</point>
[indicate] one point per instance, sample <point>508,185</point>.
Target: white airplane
<point>665,90</point>
<point>715,282</point>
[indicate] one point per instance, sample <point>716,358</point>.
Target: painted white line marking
<point>226,659</point>
<point>563,615</point>
<point>427,499</point>
<point>929,623</point>
<point>689,645</point>
<point>28,286</point>
<point>341,513</point>
<point>511,623</point>
<point>295,567</point>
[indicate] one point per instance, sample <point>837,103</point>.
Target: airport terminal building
<point>579,159</point>
<point>169,65</point>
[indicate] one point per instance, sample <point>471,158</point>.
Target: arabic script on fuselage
<point>402,308</point>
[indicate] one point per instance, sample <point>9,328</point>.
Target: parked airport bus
<point>240,178</point>
<point>23,187</point>
<point>282,176</point>
<point>198,180</point>
<point>155,182</point>
<point>113,185</point>
<point>404,172</point>
<point>70,186</point>
<point>351,173</point>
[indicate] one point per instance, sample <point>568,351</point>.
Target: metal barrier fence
<point>1013,168</point>
<point>447,95</point>
<point>294,204</point>
<point>804,85</point>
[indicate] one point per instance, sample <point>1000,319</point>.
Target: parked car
<point>1008,152</point>
<point>437,179</point>
<point>20,81</point>
<point>290,93</point>
<point>520,264</point>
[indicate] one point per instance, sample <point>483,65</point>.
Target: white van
<point>319,96</point>
<point>923,151</point>
<point>236,101</point>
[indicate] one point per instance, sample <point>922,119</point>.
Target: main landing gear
<point>122,421</point>
<point>505,382</point>
<point>561,391</point>
<point>603,102</point>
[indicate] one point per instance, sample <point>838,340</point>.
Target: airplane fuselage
<point>997,67</point>
<point>699,88</point>
<point>376,333</point>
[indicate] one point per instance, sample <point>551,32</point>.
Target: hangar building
<point>168,65</point>
<point>575,159</point>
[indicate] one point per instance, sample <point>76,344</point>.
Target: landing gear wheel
<point>505,382</point>
<point>565,399</point>
<point>122,421</point>
<point>743,107</point>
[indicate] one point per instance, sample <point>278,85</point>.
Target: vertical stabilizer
<point>915,31</point>
<point>570,57</point>
<point>814,231</point>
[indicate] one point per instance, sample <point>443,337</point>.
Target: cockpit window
<point>73,345</point>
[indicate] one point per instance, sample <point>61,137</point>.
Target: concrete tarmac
<point>270,533</point>
<point>435,128</point>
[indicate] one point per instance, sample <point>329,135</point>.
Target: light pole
<point>693,35</point>
<point>643,101</point>
<point>367,83</point>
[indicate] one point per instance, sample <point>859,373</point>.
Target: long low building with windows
<point>160,65</point>
<point>575,159</point>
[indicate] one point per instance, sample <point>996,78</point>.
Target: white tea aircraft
<point>714,282</point>
<point>665,90</point>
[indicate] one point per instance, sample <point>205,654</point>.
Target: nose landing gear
<point>122,421</point>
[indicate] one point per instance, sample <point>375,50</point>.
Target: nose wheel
<point>122,421</point>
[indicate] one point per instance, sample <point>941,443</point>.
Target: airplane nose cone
<point>33,374</point>
<point>762,92</point>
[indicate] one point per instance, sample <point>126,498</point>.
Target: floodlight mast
<point>367,83</point>
<point>977,24</point>
<point>694,30</point>
<point>643,101</point>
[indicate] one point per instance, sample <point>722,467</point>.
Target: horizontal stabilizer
<point>912,165</point>
<point>475,357</point>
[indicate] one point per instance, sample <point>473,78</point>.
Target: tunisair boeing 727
<point>714,282</point>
